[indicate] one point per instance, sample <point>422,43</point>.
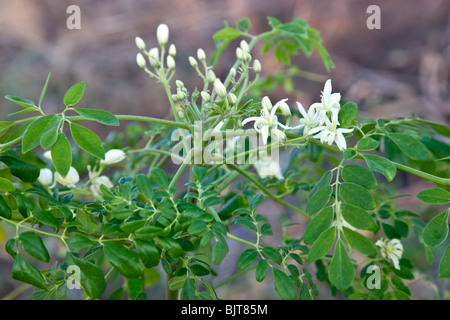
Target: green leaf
<point>188,291</point>
<point>124,260</point>
<point>360,242</point>
<point>318,200</point>
<point>85,223</point>
<point>62,155</point>
<point>87,140</point>
<point>323,244</point>
<point>246,222</point>
<point>341,271</point>
<point>24,103</point>
<point>102,116</point>
<point>353,193</point>
<point>33,245</point>
<point>132,226</point>
<point>92,278</point>
<point>150,232</point>
<point>283,285</point>
<point>79,242</point>
<point>159,177</point>
<point>172,246</point>
<point>256,201</point>
<point>148,253</point>
<point>10,247</point>
<point>199,270</point>
<point>434,196</point>
<point>6,185</point>
<point>358,217</point>
<point>367,144</point>
<point>220,250</point>
<point>199,172</point>
<point>444,265</point>
<point>5,210</point>
<point>324,181</point>
<point>177,283</point>
<point>410,146</point>
<point>197,227</point>
<point>261,270</point>
<point>23,271</point>
<point>74,94</point>
<point>46,218</point>
<point>25,171</point>
<point>382,165</point>
<point>244,24</point>
<point>246,258</point>
<point>50,137</point>
<point>227,34</point>
<point>321,222</point>
<point>273,254</point>
<point>32,136</point>
<point>436,230</point>
<point>360,175</point>
<point>439,128</point>
<point>44,90</point>
<point>347,114</point>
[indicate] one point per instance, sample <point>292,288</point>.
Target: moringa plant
<point>116,209</point>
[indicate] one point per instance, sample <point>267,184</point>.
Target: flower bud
<point>244,46</point>
<point>179,84</point>
<point>205,95</point>
<point>239,53</point>
<point>97,183</point>
<point>45,177</point>
<point>162,34</point>
<point>139,43</point>
<point>246,56</point>
<point>257,66</point>
<point>48,155</point>
<point>175,97</point>
<point>181,95</point>
<point>285,110</point>
<point>153,56</point>
<point>70,180</point>
<point>193,62</point>
<point>232,72</point>
<point>170,62</point>
<point>140,60</point>
<point>172,50</point>
<point>266,103</point>
<point>232,98</point>
<point>113,156</point>
<point>181,114</point>
<point>201,55</point>
<point>211,76</point>
<point>220,88</point>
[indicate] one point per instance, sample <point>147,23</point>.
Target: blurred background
<point>400,69</point>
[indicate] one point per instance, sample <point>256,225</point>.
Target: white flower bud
<point>205,95</point>
<point>239,53</point>
<point>181,114</point>
<point>181,95</point>
<point>153,56</point>
<point>232,98</point>
<point>97,183</point>
<point>193,62</point>
<point>113,156</point>
<point>170,62</point>
<point>140,43</point>
<point>211,76</point>
<point>175,97</point>
<point>232,72</point>
<point>244,46</point>
<point>140,60</point>
<point>220,88</point>
<point>70,180</point>
<point>246,56</point>
<point>257,66</point>
<point>266,103</point>
<point>173,50</point>
<point>48,155</point>
<point>201,54</point>
<point>162,34</point>
<point>179,84</point>
<point>285,110</point>
<point>45,177</point>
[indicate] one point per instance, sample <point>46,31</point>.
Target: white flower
<point>329,104</point>
<point>140,60</point>
<point>162,34</point>
<point>140,43</point>
<point>267,123</point>
<point>113,156</point>
<point>329,133</point>
<point>97,183</point>
<point>310,119</point>
<point>70,180</point>
<point>220,88</point>
<point>45,177</point>
<point>48,155</point>
<point>268,167</point>
<point>391,251</point>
